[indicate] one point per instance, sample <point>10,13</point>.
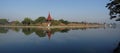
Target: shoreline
<point>86,26</point>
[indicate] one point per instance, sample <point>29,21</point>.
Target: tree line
<point>28,21</point>
<point>42,21</point>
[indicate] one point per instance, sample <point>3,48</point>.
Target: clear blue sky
<point>72,10</point>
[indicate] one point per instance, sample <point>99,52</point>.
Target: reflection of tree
<point>40,32</point>
<point>3,30</point>
<point>15,29</point>
<point>27,31</point>
<point>83,28</point>
<point>53,30</point>
<point>64,30</point>
<point>46,31</point>
<point>117,50</point>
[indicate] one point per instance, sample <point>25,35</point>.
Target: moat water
<point>59,40</point>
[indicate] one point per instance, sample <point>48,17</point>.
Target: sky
<point>71,10</point>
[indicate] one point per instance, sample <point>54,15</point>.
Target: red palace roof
<point>49,18</point>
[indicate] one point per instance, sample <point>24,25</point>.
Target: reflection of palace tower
<point>49,33</point>
<point>42,32</point>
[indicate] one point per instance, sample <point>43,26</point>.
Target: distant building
<point>49,19</point>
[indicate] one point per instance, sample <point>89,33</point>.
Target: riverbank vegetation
<point>42,21</point>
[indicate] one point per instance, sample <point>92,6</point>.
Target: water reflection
<point>27,31</point>
<point>41,32</point>
<point>15,29</point>
<point>3,30</point>
<point>81,40</point>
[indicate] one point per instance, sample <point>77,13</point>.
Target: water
<point>59,40</point>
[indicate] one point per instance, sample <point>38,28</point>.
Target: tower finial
<point>49,18</point>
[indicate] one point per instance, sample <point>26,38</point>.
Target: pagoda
<point>49,19</point>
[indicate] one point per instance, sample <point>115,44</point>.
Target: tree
<point>3,21</point>
<point>15,22</point>
<point>40,20</point>
<point>114,7</point>
<point>27,21</point>
<point>61,20</point>
<point>64,21</point>
<point>55,22</point>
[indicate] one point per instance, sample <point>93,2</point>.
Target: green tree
<point>55,22</point>
<point>16,22</point>
<point>61,20</point>
<point>27,21</point>
<point>64,21</point>
<point>40,20</point>
<point>114,7</point>
<point>3,21</point>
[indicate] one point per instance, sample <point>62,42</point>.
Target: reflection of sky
<point>90,40</point>
<point>77,10</point>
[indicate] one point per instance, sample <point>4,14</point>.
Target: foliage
<point>27,21</point>
<point>64,21</point>
<point>114,7</point>
<point>3,21</point>
<point>55,22</point>
<point>40,20</point>
<point>16,22</point>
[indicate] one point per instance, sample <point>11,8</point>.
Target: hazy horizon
<point>71,10</point>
